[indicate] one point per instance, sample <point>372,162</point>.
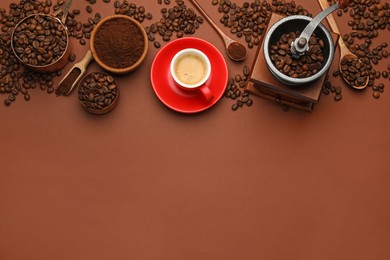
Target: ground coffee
<point>119,43</point>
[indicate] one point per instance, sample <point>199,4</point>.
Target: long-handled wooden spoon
<point>345,53</point>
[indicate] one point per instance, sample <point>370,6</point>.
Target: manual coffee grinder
<point>269,82</point>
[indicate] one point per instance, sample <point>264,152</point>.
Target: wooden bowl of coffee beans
<point>98,93</point>
<point>41,43</point>
<point>119,44</point>
<point>308,67</point>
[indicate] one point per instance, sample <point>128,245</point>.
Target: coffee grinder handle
<point>330,18</point>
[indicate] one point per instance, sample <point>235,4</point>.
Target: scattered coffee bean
<point>88,8</point>
<point>338,97</point>
<point>157,44</point>
<point>72,57</point>
<point>376,94</point>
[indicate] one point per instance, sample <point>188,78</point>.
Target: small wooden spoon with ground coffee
<point>235,50</point>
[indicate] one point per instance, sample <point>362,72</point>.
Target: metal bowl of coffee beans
<point>119,44</point>
<point>308,67</point>
<point>98,93</point>
<point>41,43</point>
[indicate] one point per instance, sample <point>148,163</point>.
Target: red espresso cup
<point>191,68</point>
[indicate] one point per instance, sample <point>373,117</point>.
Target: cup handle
<point>206,93</point>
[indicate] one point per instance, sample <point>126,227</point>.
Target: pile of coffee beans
<point>235,90</point>
<point>250,19</point>
<point>97,91</point>
<point>40,40</point>
<point>354,71</point>
<point>307,65</point>
<point>176,21</point>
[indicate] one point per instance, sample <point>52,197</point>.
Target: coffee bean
<point>376,94</point>
<point>338,97</point>
<point>385,74</point>
<point>157,44</point>
<point>234,107</point>
<point>246,70</point>
<point>72,57</point>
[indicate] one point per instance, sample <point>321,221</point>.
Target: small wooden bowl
<point>133,66</point>
<point>83,97</point>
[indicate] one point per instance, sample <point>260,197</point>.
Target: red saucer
<point>177,98</point>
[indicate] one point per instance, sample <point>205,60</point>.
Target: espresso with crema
<point>190,69</point>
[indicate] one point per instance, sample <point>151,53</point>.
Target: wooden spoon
<point>345,53</point>
<point>234,49</point>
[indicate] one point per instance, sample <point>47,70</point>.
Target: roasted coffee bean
<point>376,94</point>
<point>326,91</point>
<point>235,107</point>
<point>157,44</point>
<point>246,70</point>
<point>385,74</point>
<point>88,8</point>
<point>72,57</point>
<point>338,97</point>
<point>27,97</point>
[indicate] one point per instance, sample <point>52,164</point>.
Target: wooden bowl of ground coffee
<point>119,44</point>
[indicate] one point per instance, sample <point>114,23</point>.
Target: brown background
<point>145,182</point>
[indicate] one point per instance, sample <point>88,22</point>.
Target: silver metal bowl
<point>291,24</point>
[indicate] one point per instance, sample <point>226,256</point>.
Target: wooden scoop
<point>72,78</point>
<point>345,53</point>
